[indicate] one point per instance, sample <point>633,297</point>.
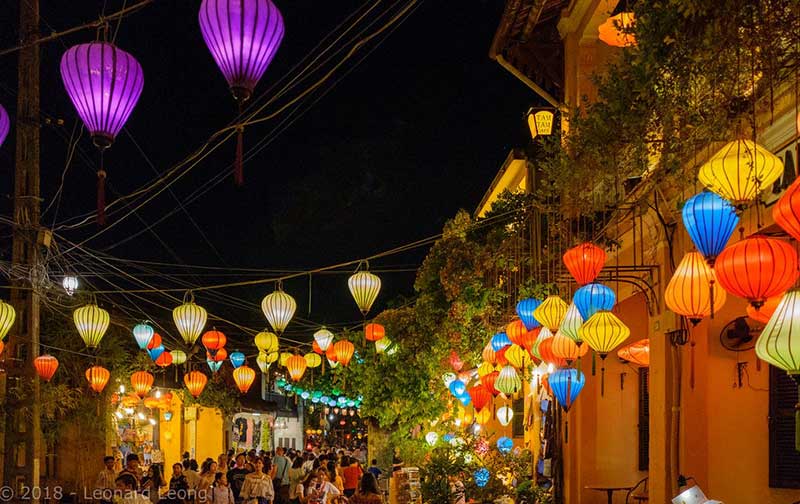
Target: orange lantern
<point>546,351</point>
<point>565,348</point>
<point>757,268</point>
<point>164,360</point>
<point>195,382</point>
<point>130,400</point>
<point>489,354</point>
<point>500,356</point>
<point>97,376</point>
<point>2,346</point>
<point>688,292</point>
<point>764,313</point>
<point>46,366</point>
<point>481,396</point>
<point>151,402</point>
<point>244,376</point>
<point>330,354</point>
<point>488,382</point>
<point>155,341</point>
<point>316,348</point>
<point>786,211</point>
<point>374,332</point>
<point>637,353</point>
<point>142,382</point>
<point>214,340</point>
<point>516,331</point>
<point>296,365</point>
<point>220,356</point>
<point>529,338</point>
<point>344,352</point>
<point>584,262</point>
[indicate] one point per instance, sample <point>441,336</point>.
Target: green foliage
<point>217,394</point>
<point>529,493</point>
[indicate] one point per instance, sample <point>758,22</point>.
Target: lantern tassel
<point>566,431</point>
<point>603,380</point>
<point>711,296</point>
<point>101,197</point>
<point>691,364</point>
<point>238,169</point>
<point>594,363</point>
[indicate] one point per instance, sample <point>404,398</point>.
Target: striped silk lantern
<point>323,338</point>
<point>637,353</point>
<point>571,323</point>
<point>551,312</point>
<point>7,317</point>
<point>690,291</point>
<point>278,308</point>
<point>92,324</point>
<point>603,332</point>
<point>364,287</point>
<point>592,298</point>
<point>190,319</point>
<point>508,381</point>
<point>740,170</point>
<point>525,309</point>
<point>46,366</point>
<point>584,263</point>
<point>97,376</point>
<point>710,221</point>
<point>244,376</point>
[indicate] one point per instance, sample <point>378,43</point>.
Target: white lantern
<point>324,338</point>
<point>504,415</point>
<point>70,284</point>
<point>431,438</point>
<point>279,309</point>
<point>364,286</point>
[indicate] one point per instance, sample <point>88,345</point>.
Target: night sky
<point>415,132</point>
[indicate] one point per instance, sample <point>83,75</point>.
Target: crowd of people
<point>329,476</point>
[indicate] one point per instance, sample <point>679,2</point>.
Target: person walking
<point>204,482</point>
<point>281,475</point>
<point>296,474</point>
<point>152,483</point>
<point>374,469</point>
<point>222,493</point>
<point>106,480</point>
<point>368,492</point>
<point>178,491</point>
<point>237,475</point>
<point>351,472</point>
<point>257,487</point>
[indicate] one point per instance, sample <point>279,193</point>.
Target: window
<point>518,421</point>
<point>644,419</point>
<point>784,459</point>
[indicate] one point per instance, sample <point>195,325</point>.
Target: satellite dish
<point>739,335</point>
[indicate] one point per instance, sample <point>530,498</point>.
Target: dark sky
<point>416,132</point>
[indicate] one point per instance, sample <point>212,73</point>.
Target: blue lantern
<point>332,403</point>
<point>481,477</point>
<point>237,359</point>
<point>465,399</point>
<point>351,403</point>
<point>592,298</point>
<point>525,309</point>
<point>315,400</point>
<point>156,352</point>
<point>214,366</point>
<point>566,384</point>
<point>710,221</point>
<point>325,399</point>
<point>342,400</point>
<point>143,333</point>
<point>505,445</point>
<point>305,394</point>
<point>500,341</point>
<point>457,388</point>
<point>447,438</point>
<point>167,416</point>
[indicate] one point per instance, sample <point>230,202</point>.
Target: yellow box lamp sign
<point>540,122</point>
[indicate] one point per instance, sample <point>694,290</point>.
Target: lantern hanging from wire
<point>213,341</point>
<point>156,352</point>
<point>508,381</point>
<point>104,83</point>
<point>92,323</point>
<point>515,331</point>
<point>603,332</point>
<point>504,415</point>
<point>190,319</point>
<point>571,323</point>
<point>237,359</point>
<point>525,309</point>
<point>549,356</point>
<point>46,366</point>
<point>505,445</point>
<point>164,360</point>
<point>244,376</point>
<point>178,357</point>
<point>710,221</point>
<point>155,342</point>
<point>637,353</point>
<point>219,356</point>
<point>142,382</point>
<point>7,316</point>
<point>385,345</point>
<point>764,313</point>
<point>786,211</point>
<point>566,384</point>
<point>243,37</point>
<point>143,333</point>
<point>564,347</point>
<point>312,360</point>
<point>278,308</point>
<point>543,335</point>
<point>296,366</point>
<point>499,341</point>
<point>592,298</point>
<point>364,287</point>
<point>584,263</point>
<point>5,125</point>
<point>323,338</point>
<point>690,291</point>
<point>213,365</point>
<point>195,382</point>
<point>757,268</point>
<point>70,284</point>
<point>266,342</point>
<point>374,332</point>
<point>97,376</point>
<point>551,312</point>
<point>261,361</point>
<point>481,396</point>
<point>344,351</point>
<point>740,170</point>
<point>518,357</point>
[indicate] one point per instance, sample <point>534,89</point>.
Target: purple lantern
<point>243,37</point>
<point>5,125</point>
<point>104,84</point>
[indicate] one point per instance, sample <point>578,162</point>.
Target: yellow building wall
<point>197,430</point>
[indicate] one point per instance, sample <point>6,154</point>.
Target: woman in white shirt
<point>319,489</point>
<point>257,487</point>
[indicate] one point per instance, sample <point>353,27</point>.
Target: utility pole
<point>23,437</point>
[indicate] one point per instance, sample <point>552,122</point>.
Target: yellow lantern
<point>266,342</point>
<point>740,170</point>
<point>571,323</point>
<point>364,286</point>
<point>284,357</point>
<point>518,357</point>
<point>483,416</point>
<point>485,368</point>
<point>688,292</point>
<point>97,376</point>
<point>7,316</point>
<point>504,415</point>
<point>244,376</point>
<point>190,319</point>
<point>313,360</point>
<point>92,323</point>
<point>324,338</point>
<point>279,309</point>
<point>261,360</point>
<point>604,332</point>
<point>178,357</point>
<point>551,312</point>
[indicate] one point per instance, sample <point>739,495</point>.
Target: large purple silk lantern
<point>243,37</point>
<point>5,125</point>
<point>104,84</point>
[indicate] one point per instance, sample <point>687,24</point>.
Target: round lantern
<point>504,415</point>
<point>323,338</point>
<point>7,316</point>
<point>500,341</point>
<point>617,30</point>
<point>431,438</point>
<point>551,312</point>
<point>484,369</point>
<point>508,381</point>
<point>364,287</point>
<point>584,263</point>
<point>566,384</point>
<point>142,382</point>
<point>155,342</point>
<point>710,221</point>
<point>757,268</point>
<point>244,376</point>
<point>740,170</point>
<point>385,345</point>
<point>344,352</point>
<point>190,319</point>
<point>296,366</point>
<point>786,211</point>
<point>518,357</point>
<point>764,313</point>
<point>566,348</point>
<point>636,353</point>
<point>374,332</point>
<point>515,331</point>
<point>214,340</point>
<point>481,396</point>
<point>195,382</point>
<point>505,445</point>
<point>572,322</point>
<point>266,342</point>
<point>178,357</point>
<point>220,356</point>
<point>689,291</point>
<point>5,125</point>
<point>592,298</point>
<point>92,323</point>
<point>97,376</point>
<point>164,360</point>
<point>545,349</point>
<point>315,348</point>
<point>313,360</point>
<point>143,333</point>
<point>279,309</point>
<point>237,359</point>
<point>46,366</point>
<point>525,309</point>
<point>779,342</point>
<point>70,284</point>
<point>330,353</point>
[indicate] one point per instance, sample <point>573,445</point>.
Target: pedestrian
<point>178,491</point>
<point>132,468</point>
<point>296,476</point>
<point>192,476</point>
<point>281,476</point>
<point>257,487</point>
<point>106,480</point>
<point>335,475</point>
<point>368,492</point>
<point>374,469</point>
<point>222,462</point>
<point>222,493</point>
<point>207,474</point>
<point>236,476</point>
<point>126,489</point>
<point>152,483</point>
<point>457,490</point>
<point>351,473</point>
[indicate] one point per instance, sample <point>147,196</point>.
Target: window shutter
<point>518,421</point>
<point>644,419</point>
<point>784,459</point>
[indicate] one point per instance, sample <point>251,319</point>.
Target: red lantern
<point>164,360</point>
<point>584,262</point>
<point>529,338</point>
<point>220,356</point>
<point>330,353</point>
<point>244,376</point>
<point>637,353</point>
<point>195,381</point>
<point>488,381</point>
<point>546,351</point>
<point>344,352</point>
<point>97,376</point>
<point>516,332</point>
<point>2,346</point>
<point>455,361</point>
<point>786,211</point>
<point>141,381</point>
<point>296,365</point>
<point>214,340</point>
<point>155,341</point>
<point>46,366</point>
<point>500,356</point>
<point>316,348</point>
<point>764,313</point>
<point>374,332</point>
<point>757,268</point>
<point>481,396</point>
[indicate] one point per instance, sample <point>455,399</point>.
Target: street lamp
<point>540,122</point>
